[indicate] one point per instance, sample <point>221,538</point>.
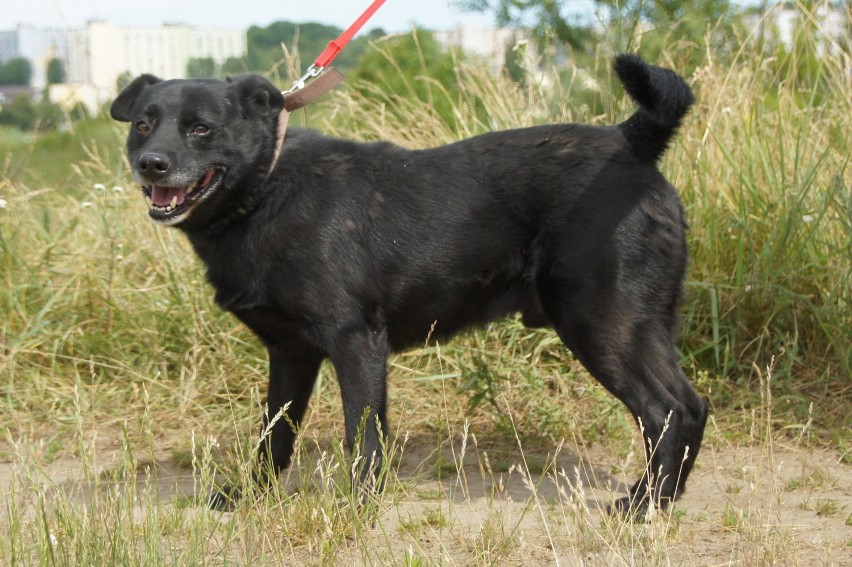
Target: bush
<point>410,73</point>
<point>16,71</point>
<point>25,114</point>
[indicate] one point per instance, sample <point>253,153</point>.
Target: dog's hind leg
<point>655,376</point>
<point>631,351</point>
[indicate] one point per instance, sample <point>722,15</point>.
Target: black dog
<point>350,251</point>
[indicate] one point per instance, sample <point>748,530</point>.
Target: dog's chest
<point>249,273</point>
<point>235,269</point>
<point>238,288</point>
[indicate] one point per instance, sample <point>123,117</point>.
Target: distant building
<point>72,95</point>
<point>8,45</point>
<point>100,53</point>
<point>38,45</point>
<point>8,93</point>
<point>492,44</point>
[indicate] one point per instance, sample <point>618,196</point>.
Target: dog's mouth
<point>172,204</point>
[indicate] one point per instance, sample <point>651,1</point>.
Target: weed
<point>812,479</point>
<point>828,507</point>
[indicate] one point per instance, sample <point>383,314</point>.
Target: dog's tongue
<point>162,196</point>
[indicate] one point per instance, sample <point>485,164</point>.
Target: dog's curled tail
<point>663,97</point>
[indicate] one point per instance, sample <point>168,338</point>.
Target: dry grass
<point>124,388</point>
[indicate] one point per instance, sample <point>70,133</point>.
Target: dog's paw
<point>630,508</point>
<point>225,499</point>
<point>634,508</point>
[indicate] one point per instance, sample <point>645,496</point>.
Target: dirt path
<point>757,505</point>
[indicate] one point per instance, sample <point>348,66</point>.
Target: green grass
<point>62,159</point>
<point>119,377</point>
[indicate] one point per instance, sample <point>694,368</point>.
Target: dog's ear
<point>258,96</point>
<point>122,107</point>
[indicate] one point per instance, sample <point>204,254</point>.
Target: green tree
<point>55,71</point>
<point>79,112</point>
<point>233,66</point>
<point>412,66</point>
<point>200,68</point>
<point>648,27</point>
<point>514,62</point>
<point>124,79</point>
<point>49,116</point>
<point>25,114</point>
<point>16,71</point>
<point>307,40</point>
<point>546,19</point>
<point>803,59</point>
<point>685,29</point>
<point>21,112</point>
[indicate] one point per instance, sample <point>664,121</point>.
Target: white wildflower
<point>100,186</point>
<point>3,203</point>
<point>808,218</point>
<point>86,205</point>
<point>118,189</point>
<point>591,83</point>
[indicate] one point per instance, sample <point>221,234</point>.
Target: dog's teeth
<point>191,188</point>
<point>174,202</point>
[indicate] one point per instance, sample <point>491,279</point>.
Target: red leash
<point>334,47</point>
<point>299,96</point>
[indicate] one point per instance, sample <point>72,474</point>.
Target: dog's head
<point>193,142</point>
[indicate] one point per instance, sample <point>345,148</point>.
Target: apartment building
<point>38,45</point>
<point>99,53</point>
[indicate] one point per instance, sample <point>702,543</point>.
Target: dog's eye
<point>201,129</point>
<point>143,127</point>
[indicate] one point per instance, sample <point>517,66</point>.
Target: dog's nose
<point>153,165</point>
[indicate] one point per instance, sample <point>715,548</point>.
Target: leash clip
<point>312,72</point>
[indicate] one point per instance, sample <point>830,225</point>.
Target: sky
<point>394,15</point>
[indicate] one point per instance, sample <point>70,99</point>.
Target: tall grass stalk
<point>127,395</point>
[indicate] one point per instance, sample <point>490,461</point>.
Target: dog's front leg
<point>360,358</point>
<point>293,368</point>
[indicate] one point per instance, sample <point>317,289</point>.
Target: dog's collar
<point>283,118</point>
<point>296,99</point>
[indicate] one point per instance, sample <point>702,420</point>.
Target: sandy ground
<point>757,505</point>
